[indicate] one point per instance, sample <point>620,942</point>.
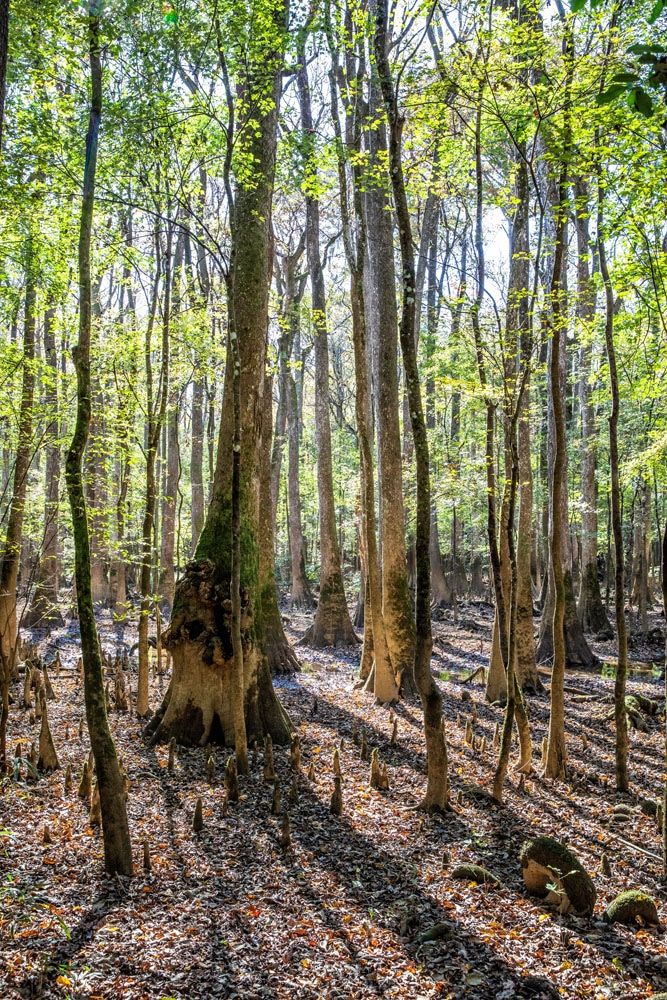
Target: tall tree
<point>117,847</point>
<point>592,611</point>
<point>201,700</point>
<point>332,625</point>
<point>383,334</point>
<point>556,321</point>
<point>620,715</point>
<point>382,678</point>
<point>437,787</point>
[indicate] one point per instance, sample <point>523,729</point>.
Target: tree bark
<point>577,650</point>
<point>332,625</point>
<point>200,703</point>
<point>125,415</point>
<point>197,461</point>
<point>556,757</point>
<point>117,846</point>
<point>437,788</point>
<point>382,325</point>
<point>289,352</point>
<point>169,500</point>
<point>521,321</point>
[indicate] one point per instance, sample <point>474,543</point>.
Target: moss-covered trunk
<point>199,705</point>
<point>117,847</point>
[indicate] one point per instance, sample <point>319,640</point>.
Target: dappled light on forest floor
<point>365,904</point>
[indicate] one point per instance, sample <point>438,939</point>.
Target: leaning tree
<point>216,641</point>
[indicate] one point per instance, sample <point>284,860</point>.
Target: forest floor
<point>228,913</point>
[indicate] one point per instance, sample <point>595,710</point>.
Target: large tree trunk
<point>592,612</point>
<point>117,847</point>
<point>168,554</point>
<point>199,704</point>
<point>44,608</point>
<point>526,667</point>
<point>11,554</point>
<point>382,315</point>
<point>332,625</point>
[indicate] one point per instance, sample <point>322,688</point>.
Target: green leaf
<point>641,49</point>
<point>656,11</point>
<point>611,93</point>
<point>576,5</point>
<point>643,102</point>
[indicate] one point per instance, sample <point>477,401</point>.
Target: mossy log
<point>476,873</point>
<point>632,907</point>
<point>552,871</point>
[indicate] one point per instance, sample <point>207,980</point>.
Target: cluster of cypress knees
<point>549,868</point>
<point>378,779</point>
